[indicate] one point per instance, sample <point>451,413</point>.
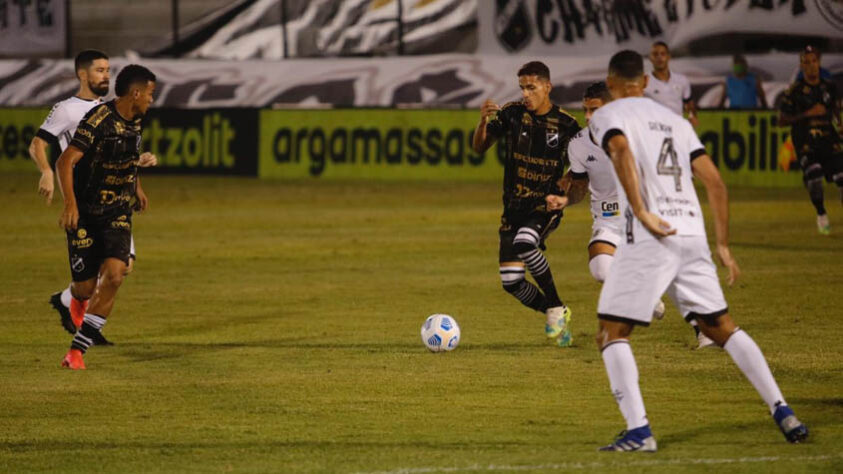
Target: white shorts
<point>607,230</point>
<point>644,270</point>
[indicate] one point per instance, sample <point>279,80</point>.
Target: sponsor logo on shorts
<point>77,264</point>
<point>610,209</point>
<point>120,225</point>
<point>82,243</point>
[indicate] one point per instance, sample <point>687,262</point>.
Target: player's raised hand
<point>656,225</point>
<point>724,257</point>
<point>69,218</point>
<point>45,186</point>
<point>488,109</point>
<point>555,203</point>
<point>147,159</point>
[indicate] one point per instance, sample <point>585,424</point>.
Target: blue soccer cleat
<point>793,429</point>
<point>640,439</point>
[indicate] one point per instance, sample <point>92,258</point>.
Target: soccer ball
<point>440,333</point>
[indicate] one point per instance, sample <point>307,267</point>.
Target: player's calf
<point>515,283</point>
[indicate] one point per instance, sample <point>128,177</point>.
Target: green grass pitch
<point>274,327</point>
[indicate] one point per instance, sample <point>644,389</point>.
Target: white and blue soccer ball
<point>440,332</point>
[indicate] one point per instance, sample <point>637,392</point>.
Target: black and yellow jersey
<point>800,97</point>
<point>104,179</point>
<point>536,153</point>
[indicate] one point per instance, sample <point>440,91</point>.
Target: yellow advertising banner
<point>17,128</point>
<point>393,144</point>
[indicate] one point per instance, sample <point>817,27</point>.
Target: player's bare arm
<point>482,141</point>
<point>64,166</point>
<point>624,164</point>
<point>143,201</point>
<point>718,199</point>
<point>38,153</point>
<point>815,111</point>
<point>575,190</point>
<point>691,110</point>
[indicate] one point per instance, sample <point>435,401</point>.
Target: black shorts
<point>822,158</point>
<point>542,222</point>
<point>95,239</point>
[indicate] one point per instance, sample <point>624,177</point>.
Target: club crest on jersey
<point>591,158</point>
<point>552,138</point>
<point>77,264</point>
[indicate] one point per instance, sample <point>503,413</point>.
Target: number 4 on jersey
<point>672,168</point>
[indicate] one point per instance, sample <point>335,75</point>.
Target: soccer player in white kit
<point>93,71</point>
<point>655,154</point>
<point>592,169</point>
<point>671,89</point>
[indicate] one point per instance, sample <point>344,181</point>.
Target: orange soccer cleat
<point>73,360</point>
<point>77,311</point>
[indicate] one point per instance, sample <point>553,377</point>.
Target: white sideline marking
<point>598,465</point>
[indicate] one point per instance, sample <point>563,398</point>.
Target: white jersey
<point>588,158</point>
<point>672,94</point>
<point>64,117</point>
<point>663,145</point>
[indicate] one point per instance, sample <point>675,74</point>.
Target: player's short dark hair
<point>131,75</point>
<point>535,68</point>
<point>87,57</point>
<point>598,90</point>
<point>661,43</point>
<point>627,64</point>
<point>739,59</point>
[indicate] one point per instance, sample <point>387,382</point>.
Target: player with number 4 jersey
<point>655,154</point>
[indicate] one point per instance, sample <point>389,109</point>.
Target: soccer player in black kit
<point>535,133</point>
<point>98,174</point>
<point>809,106</point>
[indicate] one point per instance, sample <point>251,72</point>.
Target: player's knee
<point>525,241</point>
<point>113,276</point>
<point>600,265</point>
<point>511,278</point>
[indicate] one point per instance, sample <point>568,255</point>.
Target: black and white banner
<point>338,28</point>
<point>433,81</point>
<point>594,27</point>
<point>32,28</point>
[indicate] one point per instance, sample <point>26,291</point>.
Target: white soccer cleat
<point>658,312</point>
<point>823,226</point>
<point>704,341</point>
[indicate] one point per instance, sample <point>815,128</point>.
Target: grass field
<point>274,327</point>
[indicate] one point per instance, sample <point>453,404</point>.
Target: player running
<point>809,106</point>
<point>671,89</point>
<point>592,170</point>
<point>97,173</point>
<point>535,133</point>
<point>92,71</point>
<point>655,154</point>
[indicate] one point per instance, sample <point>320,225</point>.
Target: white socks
<point>600,265</point>
<point>66,297</point>
<point>623,379</point>
<point>750,360</point>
